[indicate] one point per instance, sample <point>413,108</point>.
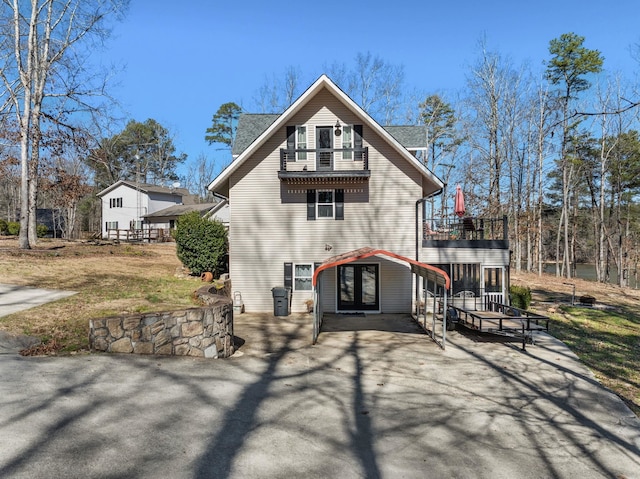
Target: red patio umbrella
<point>458,207</point>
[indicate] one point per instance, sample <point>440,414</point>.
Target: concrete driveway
<point>379,401</point>
<point>14,298</point>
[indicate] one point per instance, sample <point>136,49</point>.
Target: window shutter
<point>311,204</point>
<point>339,204</point>
<point>291,143</point>
<point>357,142</point>
<point>288,275</point>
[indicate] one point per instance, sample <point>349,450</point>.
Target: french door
<point>324,145</point>
<point>358,287</point>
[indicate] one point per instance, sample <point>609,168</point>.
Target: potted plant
<point>309,304</point>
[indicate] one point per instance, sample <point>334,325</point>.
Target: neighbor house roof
<point>177,210</point>
<point>146,188</point>
<point>217,209</point>
<point>281,120</point>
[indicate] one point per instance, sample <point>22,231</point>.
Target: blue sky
<point>182,60</point>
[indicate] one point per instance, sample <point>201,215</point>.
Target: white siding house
<point>126,203</point>
<point>321,180</point>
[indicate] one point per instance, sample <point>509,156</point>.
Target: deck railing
<point>149,235</point>
<point>466,228</point>
<point>324,159</point>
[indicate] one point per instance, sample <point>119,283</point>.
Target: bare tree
<point>373,84</point>
<point>43,59</point>
<point>199,176</point>
<point>276,94</point>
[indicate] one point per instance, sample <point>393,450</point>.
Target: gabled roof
<point>412,137</point>
<point>250,125</point>
<point>146,188</point>
<point>321,83</point>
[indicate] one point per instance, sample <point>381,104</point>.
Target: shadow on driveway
<point>362,402</point>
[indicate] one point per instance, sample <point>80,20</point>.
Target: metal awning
<point>433,276</point>
<point>427,271</point>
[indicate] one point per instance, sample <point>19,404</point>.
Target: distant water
<point>588,272</point>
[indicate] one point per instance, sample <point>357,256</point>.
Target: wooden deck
<point>504,320</point>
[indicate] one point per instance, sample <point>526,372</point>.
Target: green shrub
<point>3,227</point>
<point>13,228</point>
<point>520,296</point>
<point>41,231</point>
<point>201,244</point>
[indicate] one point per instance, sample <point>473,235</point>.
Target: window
<point>301,142</point>
<point>112,225</point>
<point>296,140</point>
<point>464,277</point>
<point>493,280</point>
<point>303,273</point>
<point>136,225</point>
<point>325,204</point>
<point>347,142</point>
<point>115,202</point>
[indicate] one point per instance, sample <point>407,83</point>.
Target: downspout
<point>422,200</point>
<point>418,235</point>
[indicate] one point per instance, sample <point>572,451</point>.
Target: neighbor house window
<point>303,273</point>
<point>347,142</point>
<point>115,202</point>
<point>136,225</point>
<point>112,225</point>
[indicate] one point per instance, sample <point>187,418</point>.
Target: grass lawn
<point>109,280</point>
<point>608,342</point>
<point>605,337</point>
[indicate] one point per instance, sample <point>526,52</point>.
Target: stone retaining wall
<point>201,332</point>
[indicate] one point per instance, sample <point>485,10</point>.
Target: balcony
<point>467,232</point>
<point>324,165</point>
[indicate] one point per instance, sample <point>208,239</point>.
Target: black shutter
<point>357,142</point>
<point>311,204</point>
<point>339,204</point>
<point>291,143</point>
<point>288,275</point>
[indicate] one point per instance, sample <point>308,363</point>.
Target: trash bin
<point>281,299</point>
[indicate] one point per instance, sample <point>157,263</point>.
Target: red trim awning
<point>421,269</point>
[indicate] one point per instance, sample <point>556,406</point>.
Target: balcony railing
<point>466,229</point>
<point>324,159</point>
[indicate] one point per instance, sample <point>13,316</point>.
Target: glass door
<point>324,145</point>
<point>358,287</point>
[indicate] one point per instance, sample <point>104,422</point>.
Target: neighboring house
<point>166,218</point>
<point>327,202</point>
<point>126,203</point>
